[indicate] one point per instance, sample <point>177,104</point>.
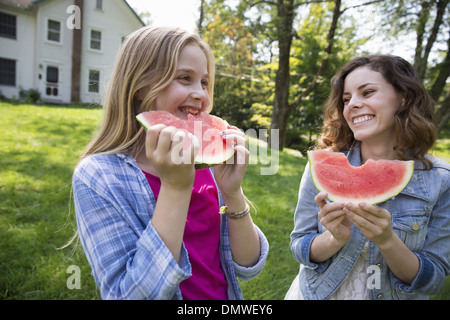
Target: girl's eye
<point>205,83</point>
<point>345,100</point>
<point>184,78</point>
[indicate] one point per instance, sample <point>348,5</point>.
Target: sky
<point>178,13</point>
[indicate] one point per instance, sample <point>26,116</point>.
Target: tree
<point>429,19</point>
<point>306,60</point>
<point>234,46</point>
<point>284,13</point>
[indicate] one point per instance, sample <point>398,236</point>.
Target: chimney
<point>76,57</point>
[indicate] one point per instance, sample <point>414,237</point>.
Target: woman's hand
<point>332,216</point>
<point>373,221</point>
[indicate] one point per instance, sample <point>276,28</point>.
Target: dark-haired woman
<point>399,249</point>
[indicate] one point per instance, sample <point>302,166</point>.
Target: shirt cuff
<point>152,242</point>
<point>247,273</point>
<point>303,249</point>
<point>421,280</point>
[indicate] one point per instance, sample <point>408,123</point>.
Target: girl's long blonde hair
<point>146,61</point>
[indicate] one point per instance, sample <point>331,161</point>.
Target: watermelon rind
<point>201,162</point>
<point>140,118</point>
<point>381,197</point>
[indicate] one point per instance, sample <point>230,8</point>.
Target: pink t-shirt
<point>201,239</point>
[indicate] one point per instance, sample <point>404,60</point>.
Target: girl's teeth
<point>189,110</point>
<point>362,119</point>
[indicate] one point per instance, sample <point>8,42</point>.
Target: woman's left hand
<point>373,221</point>
<point>230,174</point>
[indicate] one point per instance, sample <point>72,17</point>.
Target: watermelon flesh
<point>214,149</point>
<point>373,182</point>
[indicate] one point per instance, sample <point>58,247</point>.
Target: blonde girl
<point>151,228</point>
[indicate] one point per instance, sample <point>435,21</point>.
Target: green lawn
<point>37,156</point>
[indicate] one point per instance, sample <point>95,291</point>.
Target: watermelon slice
<point>373,182</point>
<point>205,127</point>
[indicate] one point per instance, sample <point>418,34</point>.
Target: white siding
<point>21,50</point>
<point>115,21</point>
<point>33,52</point>
<point>54,54</point>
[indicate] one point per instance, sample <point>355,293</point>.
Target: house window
<point>53,30</point>
<point>99,5</point>
<point>94,81</point>
<point>96,40</point>
<point>7,72</point>
<point>8,25</point>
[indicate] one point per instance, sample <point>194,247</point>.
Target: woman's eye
<point>367,92</point>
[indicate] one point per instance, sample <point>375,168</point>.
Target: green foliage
<point>243,40</point>
<point>261,115</point>
<point>30,96</point>
<point>307,55</point>
<point>238,84</point>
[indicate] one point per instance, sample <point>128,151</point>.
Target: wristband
<point>235,215</point>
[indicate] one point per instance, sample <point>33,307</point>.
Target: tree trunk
<point>443,113</point>
<point>281,108</point>
<point>422,54</point>
<point>76,58</point>
<point>280,112</point>
<point>201,18</point>
<point>443,74</point>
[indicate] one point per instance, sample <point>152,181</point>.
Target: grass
<point>40,146</point>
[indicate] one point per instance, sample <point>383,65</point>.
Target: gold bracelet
<point>235,215</point>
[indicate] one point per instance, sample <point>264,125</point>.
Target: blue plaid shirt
<point>114,205</point>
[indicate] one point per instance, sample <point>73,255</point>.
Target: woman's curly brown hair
<point>415,128</point>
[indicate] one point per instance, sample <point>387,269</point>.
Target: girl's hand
<point>164,150</point>
<point>373,221</point>
<point>229,175</point>
<point>332,216</point>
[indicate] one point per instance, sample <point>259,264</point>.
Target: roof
<point>27,4</point>
<point>20,4</point>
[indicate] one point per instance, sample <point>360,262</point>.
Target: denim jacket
<point>420,217</point>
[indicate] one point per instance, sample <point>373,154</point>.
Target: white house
<point>63,48</point>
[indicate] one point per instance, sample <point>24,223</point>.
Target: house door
<point>52,82</point>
